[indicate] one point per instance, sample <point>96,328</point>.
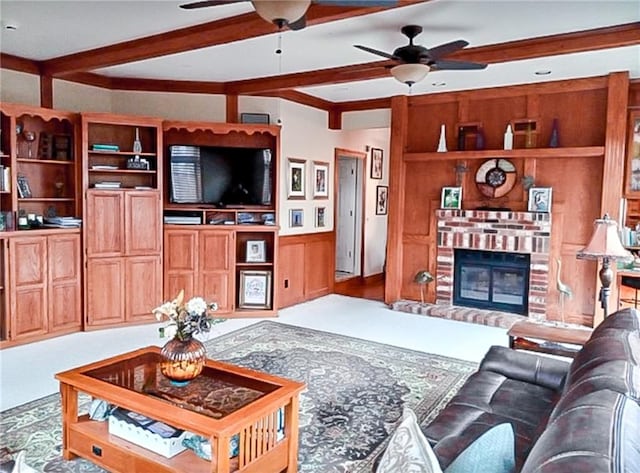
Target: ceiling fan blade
<point>447,48</point>
<point>299,24</point>
<point>456,65</point>
<point>375,51</point>
<point>207,3</point>
<point>358,3</point>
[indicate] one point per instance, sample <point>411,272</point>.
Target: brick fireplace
<point>505,231</point>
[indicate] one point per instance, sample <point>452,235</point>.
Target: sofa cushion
<point>597,433</point>
<point>492,452</point>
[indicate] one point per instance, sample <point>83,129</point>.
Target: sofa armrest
<point>527,367</point>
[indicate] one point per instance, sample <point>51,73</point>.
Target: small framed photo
<point>256,251</point>
<point>296,218</point>
<point>296,179</point>
<point>451,198</point>
<point>540,199</point>
<point>255,290</point>
<point>320,216</point>
<point>382,198</point>
<point>376,163</point>
<point>320,180</point>
<point>24,190</point>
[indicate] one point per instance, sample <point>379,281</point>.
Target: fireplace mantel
<point>515,232</point>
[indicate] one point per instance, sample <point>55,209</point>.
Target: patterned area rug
<point>356,390</point>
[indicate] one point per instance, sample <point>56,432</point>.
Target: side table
<point>544,338</point>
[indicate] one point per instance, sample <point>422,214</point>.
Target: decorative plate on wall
<point>496,177</point>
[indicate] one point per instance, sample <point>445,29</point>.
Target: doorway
<point>349,212</point>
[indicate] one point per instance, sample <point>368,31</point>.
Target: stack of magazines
<point>62,222</point>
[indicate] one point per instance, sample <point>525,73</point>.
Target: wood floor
<point>371,287</point>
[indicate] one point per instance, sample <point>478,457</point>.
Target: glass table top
<point>215,392</point>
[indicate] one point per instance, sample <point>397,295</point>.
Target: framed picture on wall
<point>451,198</point>
<point>255,290</point>
<point>539,199</point>
<point>382,197</point>
<point>296,218</point>
<point>376,163</point>
<point>320,216</point>
<point>296,179</point>
<point>320,180</point>
<point>256,251</point>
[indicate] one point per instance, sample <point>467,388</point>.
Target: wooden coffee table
<point>544,338</point>
<point>224,401</point>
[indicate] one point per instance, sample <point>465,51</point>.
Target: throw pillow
<point>408,450</point>
<point>492,452</point>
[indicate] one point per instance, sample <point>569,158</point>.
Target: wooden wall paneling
<point>65,282</point>
<point>291,264</point>
<point>416,253</point>
<point>28,286</point>
<point>422,188</point>
<point>143,276</point>
<point>319,273</point>
<point>495,113</point>
<point>425,135</point>
<point>581,117</point>
<point>397,177</point>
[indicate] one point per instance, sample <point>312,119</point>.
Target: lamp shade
<point>605,242</point>
<point>281,12</point>
<point>410,73</point>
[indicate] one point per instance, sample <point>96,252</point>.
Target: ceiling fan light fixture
<point>410,73</point>
<point>281,12</point>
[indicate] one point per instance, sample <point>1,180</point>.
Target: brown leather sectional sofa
<point>582,417</point>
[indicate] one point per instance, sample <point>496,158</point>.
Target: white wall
<point>19,87</point>
<point>80,98</point>
<point>361,120</point>
<point>171,106</point>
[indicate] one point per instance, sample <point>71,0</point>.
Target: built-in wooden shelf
<point>541,153</point>
<point>120,153</point>
<point>253,264</point>
<point>45,161</point>
<point>122,171</point>
<point>46,199</point>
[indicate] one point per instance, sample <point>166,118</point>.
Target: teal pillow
<point>492,452</point>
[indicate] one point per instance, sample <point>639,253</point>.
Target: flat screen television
<point>220,176</point>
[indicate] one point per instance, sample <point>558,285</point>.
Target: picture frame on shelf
<point>296,218</point>
<point>382,200</point>
<point>255,290</point>
<point>321,213</point>
<point>376,163</point>
<point>451,198</point>
<point>320,180</point>
<point>256,251</point>
<point>296,178</point>
<point>539,199</point>
<point>24,190</point>
<point>632,181</point>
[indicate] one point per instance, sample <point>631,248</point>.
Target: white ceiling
<point>47,29</point>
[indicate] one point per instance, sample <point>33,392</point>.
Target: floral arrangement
<point>187,319</point>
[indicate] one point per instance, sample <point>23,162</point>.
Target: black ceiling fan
<point>416,54</point>
<point>289,13</point>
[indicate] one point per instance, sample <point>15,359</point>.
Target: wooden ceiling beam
<point>302,98</point>
<point>156,85</point>
<point>227,30</point>
<point>588,40</point>
<point>19,64</point>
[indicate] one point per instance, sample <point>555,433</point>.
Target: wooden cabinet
<point>44,283</point>
<point>4,292</point>
<point>200,261</point>
<point>123,237</point>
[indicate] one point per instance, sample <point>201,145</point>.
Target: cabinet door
<point>64,282</point>
<point>28,286</point>
<point>104,223</point>
<point>143,213</point>
<point>104,291</point>
<point>4,290</point>
<point>290,287</point>
<point>180,263</point>
<point>144,287</point>
<point>215,256</point>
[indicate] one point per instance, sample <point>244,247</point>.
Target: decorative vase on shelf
<point>137,145</point>
<point>508,138</point>
<point>554,141</point>
<point>442,142</point>
<point>182,360</point>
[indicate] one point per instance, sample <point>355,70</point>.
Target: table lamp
<point>605,244</point>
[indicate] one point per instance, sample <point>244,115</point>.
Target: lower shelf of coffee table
<point>91,440</point>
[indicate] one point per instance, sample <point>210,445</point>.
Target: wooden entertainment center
<point>110,170</point>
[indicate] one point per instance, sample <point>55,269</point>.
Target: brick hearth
<point>513,232</point>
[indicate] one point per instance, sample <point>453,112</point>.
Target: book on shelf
<point>107,185</point>
<point>62,222</point>
<point>5,178</point>
<point>100,167</point>
<point>105,147</point>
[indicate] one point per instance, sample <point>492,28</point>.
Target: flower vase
<point>182,360</point>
